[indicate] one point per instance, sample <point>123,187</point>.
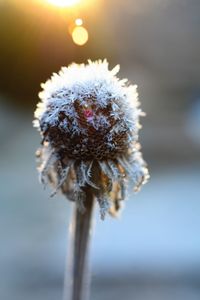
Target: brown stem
<point>78,277</point>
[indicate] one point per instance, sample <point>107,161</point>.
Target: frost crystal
<point>89,121</point>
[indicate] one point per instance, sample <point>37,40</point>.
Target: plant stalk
<point>77,282</point>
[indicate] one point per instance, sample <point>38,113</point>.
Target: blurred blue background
<point>153,250</point>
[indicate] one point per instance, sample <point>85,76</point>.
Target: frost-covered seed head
<point>89,121</point>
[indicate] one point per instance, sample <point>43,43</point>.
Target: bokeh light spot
<point>80,35</point>
<point>79,22</point>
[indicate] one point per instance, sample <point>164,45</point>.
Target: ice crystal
<point>89,121</point>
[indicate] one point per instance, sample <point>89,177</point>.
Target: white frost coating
<point>82,80</point>
<point>89,120</point>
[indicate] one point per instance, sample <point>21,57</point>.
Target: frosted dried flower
<point>89,121</point>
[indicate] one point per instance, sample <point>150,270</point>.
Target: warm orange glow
<point>64,3</point>
<point>79,22</point>
<point>80,35</point>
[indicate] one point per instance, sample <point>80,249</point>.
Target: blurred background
<point>153,251</point>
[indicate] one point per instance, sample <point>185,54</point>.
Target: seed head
<point>89,122</point>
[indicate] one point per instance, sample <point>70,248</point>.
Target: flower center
<point>88,113</point>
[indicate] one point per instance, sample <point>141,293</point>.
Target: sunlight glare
<point>63,3</point>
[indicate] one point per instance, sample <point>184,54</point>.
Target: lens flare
<point>80,35</point>
<point>79,22</point>
<point>63,3</point>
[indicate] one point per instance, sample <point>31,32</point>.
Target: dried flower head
<point>89,121</point>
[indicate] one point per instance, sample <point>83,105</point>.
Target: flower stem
<point>78,275</point>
